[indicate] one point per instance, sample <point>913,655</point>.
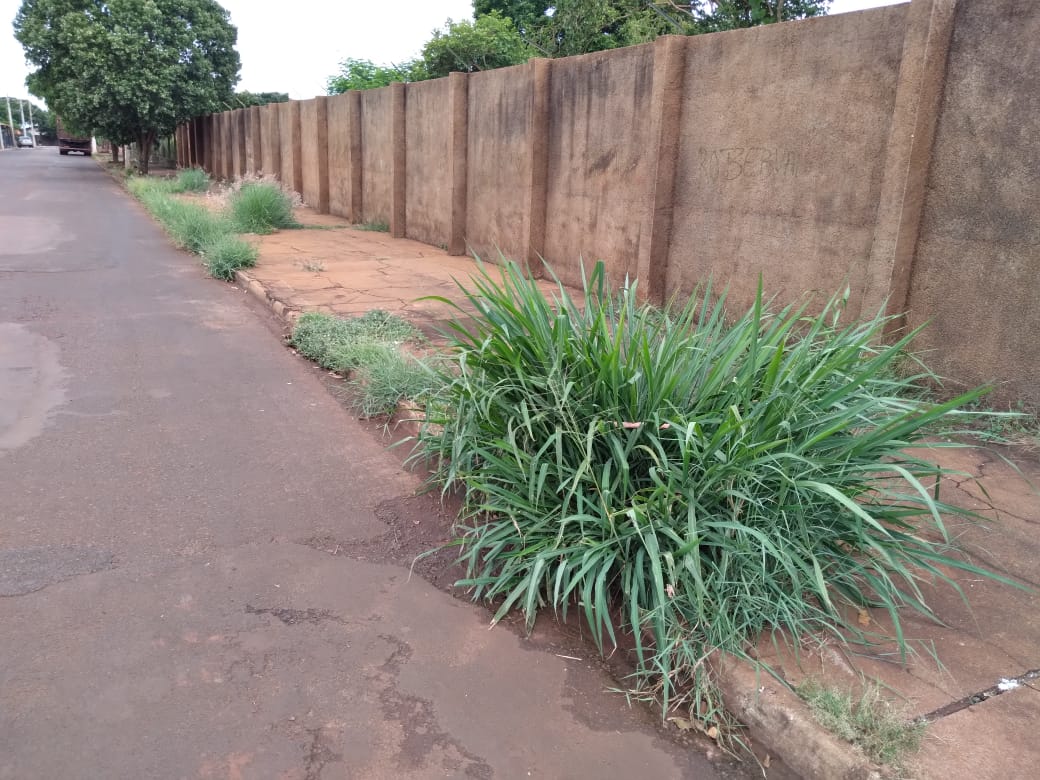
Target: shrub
<point>692,481</point>
<point>227,254</point>
<point>261,208</point>
<point>191,180</point>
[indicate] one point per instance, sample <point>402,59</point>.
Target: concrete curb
<point>780,722</point>
<point>285,313</point>
<point>777,720</point>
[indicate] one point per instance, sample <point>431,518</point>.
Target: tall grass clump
<point>261,208</point>
<point>191,180</point>
<point>227,254</point>
<point>689,479</point>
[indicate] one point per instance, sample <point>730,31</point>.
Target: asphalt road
<point>182,503</point>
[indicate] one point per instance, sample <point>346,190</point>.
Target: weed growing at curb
<point>261,208</point>
<point>227,254</point>
<point>368,348</point>
<point>884,734</point>
<point>692,480</point>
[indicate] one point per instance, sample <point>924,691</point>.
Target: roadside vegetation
<point>884,733</point>
<point>252,207</point>
<point>368,348</point>
<point>689,482</point>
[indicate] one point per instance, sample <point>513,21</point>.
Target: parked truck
<point>68,142</point>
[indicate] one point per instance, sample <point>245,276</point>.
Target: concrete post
<point>355,162</point>
<point>399,150</point>
<point>290,124</point>
<point>227,150</point>
<point>321,139</point>
<point>271,163</point>
<point>922,75</point>
<point>666,105</point>
<point>458,84</point>
<point>255,152</point>
<point>538,144</point>
<point>239,120</point>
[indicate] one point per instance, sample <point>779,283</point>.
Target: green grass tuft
<point>191,180</point>
<point>261,208</point>
<point>385,376</point>
<point>687,478</point>
<point>377,227</point>
<point>884,734</point>
<point>227,254</point>
<point>339,344</point>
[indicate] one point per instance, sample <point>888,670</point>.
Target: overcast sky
<point>294,46</point>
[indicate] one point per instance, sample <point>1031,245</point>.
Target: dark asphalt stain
<point>27,569</point>
<point>293,616</point>
<point>318,755</point>
<point>418,722</point>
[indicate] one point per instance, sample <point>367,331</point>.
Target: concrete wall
<point>270,141</point>
<point>599,136</point>
<point>499,162</point>
<point>976,273</point>
<point>344,116</point>
<point>377,156</point>
<point>428,169</point>
<point>892,151</point>
<point>781,148</point>
<point>314,153</point>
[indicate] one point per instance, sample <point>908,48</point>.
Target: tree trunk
<point>144,150</point>
<point>115,153</point>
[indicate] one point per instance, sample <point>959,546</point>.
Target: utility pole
<point>10,119</point>
<point>32,125</point>
<point>21,111</point>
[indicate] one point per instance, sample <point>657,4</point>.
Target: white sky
<point>295,46</point>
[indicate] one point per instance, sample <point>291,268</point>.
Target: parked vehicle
<point>25,140</point>
<point>68,142</point>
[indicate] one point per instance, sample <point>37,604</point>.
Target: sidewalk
<point>346,271</point>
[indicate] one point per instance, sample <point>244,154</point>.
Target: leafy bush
<point>692,481</point>
<point>261,208</point>
<point>227,254</point>
<point>191,180</point>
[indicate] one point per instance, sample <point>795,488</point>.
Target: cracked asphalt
<point>164,461</point>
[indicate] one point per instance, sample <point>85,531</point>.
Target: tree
<point>245,99</point>
<point>492,41</point>
<point>131,70</point>
<point>365,74</point>
<point>561,28</point>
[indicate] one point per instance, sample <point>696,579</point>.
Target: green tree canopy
<point>560,28</point>
<point>365,74</point>
<point>129,69</point>
<point>492,41</point>
<point>245,99</point>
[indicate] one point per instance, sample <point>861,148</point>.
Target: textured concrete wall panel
<point>377,155</point>
<point>428,161</point>
<point>499,162</point>
<point>976,273</point>
<point>600,161</point>
<point>781,154</point>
